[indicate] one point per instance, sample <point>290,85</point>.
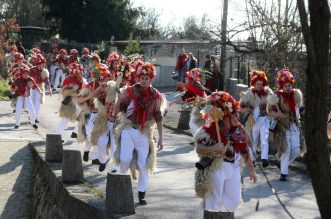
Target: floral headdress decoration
<point>146,69</point>
<point>36,50</point>
<point>225,101</point>
<point>100,72</point>
<point>73,52</point>
<point>18,56</point>
<point>258,76</point>
<point>196,74</point>
<point>38,59</point>
<point>284,76</point>
<point>76,69</point>
<point>113,59</point>
<point>123,68</point>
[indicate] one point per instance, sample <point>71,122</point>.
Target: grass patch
<point>4,89</point>
<point>94,189</point>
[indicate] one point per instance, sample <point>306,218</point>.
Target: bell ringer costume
<point>22,87</point>
<point>41,75</point>
<point>194,91</point>
<point>62,62</point>
<point>69,109</point>
<point>257,124</point>
<point>287,133</point>
<point>140,111</point>
<point>219,182</point>
<point>89,111</point>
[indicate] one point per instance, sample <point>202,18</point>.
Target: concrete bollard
<point>72,168</point>
<point>184,119</point>
<point>54,148</point>
<point>119,196</point>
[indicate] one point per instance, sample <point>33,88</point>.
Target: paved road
<point>170,193</point>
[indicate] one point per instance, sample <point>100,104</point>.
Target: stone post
<point>184,119</point>
<point>54,148</point>
<point>72,168</point>
<point>119,196</point>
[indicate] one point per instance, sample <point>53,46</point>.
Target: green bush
<point>4,89</point>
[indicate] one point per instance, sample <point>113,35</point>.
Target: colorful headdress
<point>137,64</point>
<point>85,51</point>
<point>123,68</point>
<point>225,101</point>
<point>284,76</point>
<point>112,59</point>
<point>258,76</point>
<point>18,56</point>
<point>100,72</point>
<point>146,69</point>
<point>36,50</point>
<point>95,57</point>
<point>63,52</point>
<point>75,69</point>
<point>38,59</point>
<point>73,52</point>
<point>194,74</point>
<point>13,48</point>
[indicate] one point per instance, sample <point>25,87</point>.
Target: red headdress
<point>85,51</point>
<point>63,52</point>
<point>101,72</point>
<point>73,52</point>
<point>38,59</point>
<point>258,76</point>
<point>75,69</point>
<point>146,69</point>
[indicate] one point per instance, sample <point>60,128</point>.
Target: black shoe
<point>59,86</point>
<point>35,126</point>
<point>73,135</point>
<point>141,196</point>
<point>265,163</point>
<point>114,171</point>
<point>254,164</point>
<point>102,166</point>
<point>14,111</point>
<point>85,156</point>
<point>36,121</point>
<point>54,89</point>
<point>16,126</point>
<point>283,177</point>
<point>96,162</point>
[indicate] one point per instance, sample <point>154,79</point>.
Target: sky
<point>174,11</point>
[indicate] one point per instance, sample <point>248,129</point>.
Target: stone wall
<point>53,199</point>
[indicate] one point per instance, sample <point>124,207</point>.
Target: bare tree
<point>316,36</point>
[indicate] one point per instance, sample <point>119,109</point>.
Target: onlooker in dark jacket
<point>191,62</point>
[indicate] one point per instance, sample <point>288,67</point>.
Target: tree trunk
<point>316,38</point>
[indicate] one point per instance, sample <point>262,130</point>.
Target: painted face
<point>144,81</point>
<point>25,75</point>
<point>258,85</point>
<point>287,87</point>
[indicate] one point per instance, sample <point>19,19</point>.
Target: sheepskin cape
<point>278,136</point>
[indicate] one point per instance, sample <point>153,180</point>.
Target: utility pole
<point>221,78</point>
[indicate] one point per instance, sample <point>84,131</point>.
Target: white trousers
<point>24,103</point>
<point>102,145</point>
<point>89,128</point>
<point>52,69</point>
<point>260,131</point>
<point>193,126</point>
<point>59,76</point>
<point>225,194</point>
<point>63,125</point>
<point>293,148</point>
<point>133,139</point>
<point>36,100</point>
